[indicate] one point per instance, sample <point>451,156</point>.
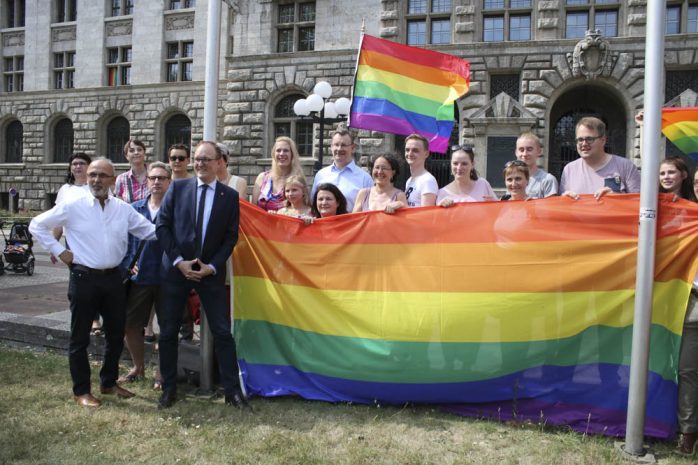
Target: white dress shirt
<point>98,237</point>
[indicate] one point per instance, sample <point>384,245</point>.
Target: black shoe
<point>167,399</point>
<point>237,400</point>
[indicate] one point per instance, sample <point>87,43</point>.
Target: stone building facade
<point>535,65</point>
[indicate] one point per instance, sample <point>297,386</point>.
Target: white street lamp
<point>316,108</point>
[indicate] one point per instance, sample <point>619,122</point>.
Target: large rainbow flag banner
<point>501,309</point>
<point>403,90</point>
<point>680,126</point>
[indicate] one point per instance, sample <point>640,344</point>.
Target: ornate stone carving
<point>63,34</point>
<point>181,21</point>
<point>590,56</point>
<point>12,39</point>
<point>119,28</point>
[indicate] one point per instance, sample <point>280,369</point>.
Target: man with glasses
<point>97,228</point>
<point>142,263</point>
<point>540,183</point>
<point>197,227</point>
<point>178,156</point>
<point>597,172</point>
<point>343,172</point>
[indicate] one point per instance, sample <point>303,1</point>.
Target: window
<point>13,14</point>
<point>295,28</point>
<point>607,22</point>
<point>119,66</point>
<point>286,123</point>
<point>62,140</point>
<point>507,83</point>
<point>428,22</point>
<point>603,15</point>
<point>500,150</point>
<point>13,74</point>
<point>63,70</point>
<point>506,20</point>
<point>576,25</point>
<point>121,7</point>
<point>13,146</point>
<point>179,4</point>
<point>673,19</point>
<point>692,25</point>
<point>177,131</point>
<point>681,17</point>
<point>180,61</point>
<point>118,131</point>
<point>65,11</point>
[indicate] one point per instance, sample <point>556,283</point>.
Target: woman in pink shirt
<point>466,185</point>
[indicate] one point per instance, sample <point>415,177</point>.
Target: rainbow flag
<point>680,126</point>
<point>501,309</point>
<point>403,90</point>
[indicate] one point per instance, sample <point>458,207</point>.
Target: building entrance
<point>586,100</point>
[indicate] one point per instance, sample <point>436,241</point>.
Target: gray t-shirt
<point>542,184</point>
<point>620,174</point>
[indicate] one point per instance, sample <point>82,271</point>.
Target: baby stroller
<point>18,249</point>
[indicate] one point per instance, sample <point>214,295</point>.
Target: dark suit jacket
<point>176,227</point>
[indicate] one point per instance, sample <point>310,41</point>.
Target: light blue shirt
<point>350,180</point>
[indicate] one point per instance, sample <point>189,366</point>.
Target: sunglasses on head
<point>514,163</point>
<point>464,147</point>
<point>178,158</point>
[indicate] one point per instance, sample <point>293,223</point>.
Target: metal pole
<point>320,160</point>
<point>654,96</point>
<point>210,113</point>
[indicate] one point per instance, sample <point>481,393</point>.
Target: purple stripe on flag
<point>437,143</point>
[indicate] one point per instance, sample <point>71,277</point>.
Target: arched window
<point>286,123</point>
<point>13,148</point>
<point>118,131</point>
<point>62,141</point>
<point>177,131</point>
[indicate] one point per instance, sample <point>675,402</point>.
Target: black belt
<point>89,270</point>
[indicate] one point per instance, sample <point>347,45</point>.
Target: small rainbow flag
<point>404,90</point>
<point>502,309</point>
<point>680,126</point>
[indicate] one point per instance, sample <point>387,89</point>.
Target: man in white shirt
<point>540,183</point>
<point>421,187</point>
<point>97,229</point>
<point>343,172</point>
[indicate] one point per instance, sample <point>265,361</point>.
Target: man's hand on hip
<point>66,257</point>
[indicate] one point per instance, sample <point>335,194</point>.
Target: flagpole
<point>654,96</point>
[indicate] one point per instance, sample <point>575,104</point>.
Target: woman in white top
<point>76,181</point>
<point>466,186</point>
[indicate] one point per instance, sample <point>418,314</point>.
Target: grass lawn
<point>41,425</point>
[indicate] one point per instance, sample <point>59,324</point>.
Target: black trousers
<point>91,294</point>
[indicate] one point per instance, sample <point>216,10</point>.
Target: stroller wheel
<point>30,267</point>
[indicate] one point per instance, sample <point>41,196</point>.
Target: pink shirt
<point>137,190</point>
<point>620,174</point>
<point>481,190</point>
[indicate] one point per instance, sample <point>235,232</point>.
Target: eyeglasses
<point>204,160</point>
<point>158,178</point>
<point>586,140</point>
<point>464,147</point>
<point>78,163</point>
<point>178,158</point>
<point>514,163</point>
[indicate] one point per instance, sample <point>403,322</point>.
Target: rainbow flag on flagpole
<point>680,126</point>
<point>502,309</point>
<point>403,90</point>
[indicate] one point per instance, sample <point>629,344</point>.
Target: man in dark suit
<point>197,227</point>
